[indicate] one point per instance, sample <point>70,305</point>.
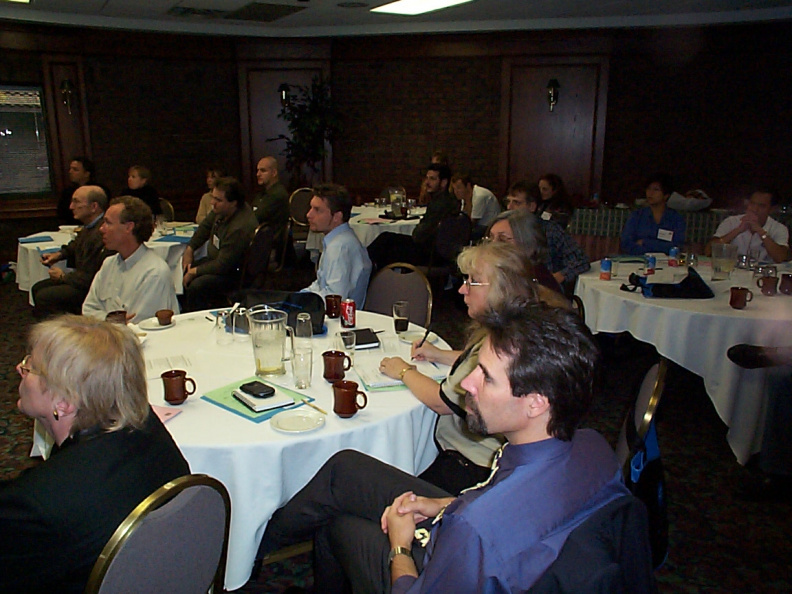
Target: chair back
<point>167,209</point>
<point>299,205</point>
<point>255,263</point>
<point>401,281</point>
<point>578,307</point>
<point>174,541</point>
<point>608,552</point>
<point>453,233</point>
<point>642,413</point>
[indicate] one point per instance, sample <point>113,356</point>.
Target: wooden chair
<point>175,541</point>
<point>167,209</point>
<point>401,281</point>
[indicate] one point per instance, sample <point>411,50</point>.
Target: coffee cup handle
<point>759,282</point>
<point>365,400</point>
<point>347,363</point>
<point>192,383</point>
<point>748,295</point>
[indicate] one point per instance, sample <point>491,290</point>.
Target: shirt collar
<point>327,238</point>
<point>95,222</point>
<point>135,257</point>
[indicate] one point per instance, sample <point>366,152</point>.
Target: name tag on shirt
<point>665,235</point>
<point>547,215</point>
<point>216,242</point>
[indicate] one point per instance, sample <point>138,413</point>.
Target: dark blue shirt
<point>642,226</point>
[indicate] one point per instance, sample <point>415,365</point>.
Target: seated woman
<point>524,229</point>
<point>494,273</point>
<point>556,204</point>
<point>138,186</point>
<point>205,207</point>
<point>85,382</point>
<point>655,228</point>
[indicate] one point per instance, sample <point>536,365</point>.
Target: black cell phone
<point>257,389</point>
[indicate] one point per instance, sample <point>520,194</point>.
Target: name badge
<point>547,215</point>
<point>665,235</point>
<point>216,241</point>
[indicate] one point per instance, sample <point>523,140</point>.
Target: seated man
<point>229,228</point>
<point>64,292</point>
<point>478,203</point>
<point>136,279</point>
<point>344,267</point>
<point>271,202</point>
<point>395,247</point>
<point>756,231</point>
<point>533,383</point>
<point>567,259</point>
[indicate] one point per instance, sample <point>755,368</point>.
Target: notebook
<point>365,339</point>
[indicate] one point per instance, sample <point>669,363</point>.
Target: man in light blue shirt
<point>344,268</point>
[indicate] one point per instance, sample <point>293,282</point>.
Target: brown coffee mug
<point>786,284</point>
<point>335,364</point>
<point>768,285</point>
<point>333,306</point>
<point>117,317</point>
<point>164,317</point>
<point>175,383</point>
<point>740,296</point>
<point>345,399</point>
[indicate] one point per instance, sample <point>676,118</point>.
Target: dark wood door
<point>567,141</point>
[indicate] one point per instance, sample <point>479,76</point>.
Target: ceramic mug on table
<point>175,383</point>
<point>164,317</point>
<point>335,364</point>
<point>345,399</point>
<point>333,306</point>
<point>740,296</point>
<point>118,316</point>
<point>786,284</point>
<point>768,285</point>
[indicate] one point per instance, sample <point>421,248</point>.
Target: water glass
<point>221,335</point>
<point>401,316</point>
<point>345,341</point>
<point>303,329</point>
<point>302,367</point>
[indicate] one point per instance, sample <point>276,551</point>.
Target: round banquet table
<point>696,335</point>
<point>30,270</point>
<point>262,468</point>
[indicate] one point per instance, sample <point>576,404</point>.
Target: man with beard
<point>533,384</point>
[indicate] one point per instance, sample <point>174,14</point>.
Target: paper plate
<point>153,324</point>
<point>413,335</point>
<point>299,420</point>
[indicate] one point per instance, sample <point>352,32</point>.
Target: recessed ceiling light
<point>414,7</point>
<point>20,1</point>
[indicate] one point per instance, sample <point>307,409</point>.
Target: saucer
<point>299,420</point>
<point>153,324</point>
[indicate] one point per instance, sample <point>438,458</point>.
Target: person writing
<point>655,228</point>
<point>84,381</point>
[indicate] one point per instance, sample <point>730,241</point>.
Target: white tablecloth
<point>366,230</point>
<point>262,468</point>
<point>30,270</point>
<point>696,334</point>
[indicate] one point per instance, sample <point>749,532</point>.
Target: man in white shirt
<point>478,203</point>
<point>755,231</point>
<point>136,279</point>
<point>344,267</point>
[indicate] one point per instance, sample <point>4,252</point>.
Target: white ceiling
<point>321,18</point>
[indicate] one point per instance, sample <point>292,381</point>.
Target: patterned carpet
<point>718,543</point>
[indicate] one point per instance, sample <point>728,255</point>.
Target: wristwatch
<point>763,236</point>
<point>405,370</point>
<point>398,551</point>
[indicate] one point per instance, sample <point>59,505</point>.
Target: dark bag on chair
<point>291,303</point>
<point>690,287</point>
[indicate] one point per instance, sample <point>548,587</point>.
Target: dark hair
<point>664,179</point>
<point>440,157</point>
<point>87,164</point>
<point>217,169</point>
<point>232,189</point>
<point>766,190</point>
<point>557,184</point>
<point>444,171</point>
<point>462,176</point>
<point>337,198</point>
<point>552,353</point>
<point>143,172</point>
<point>138,212</point>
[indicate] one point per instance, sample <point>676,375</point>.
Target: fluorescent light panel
<point>414,7</point>
<point>20,1</point>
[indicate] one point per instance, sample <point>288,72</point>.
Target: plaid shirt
<point>566,256</point>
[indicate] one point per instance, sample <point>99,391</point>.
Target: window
<point>24,154</point>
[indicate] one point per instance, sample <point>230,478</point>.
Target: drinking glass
<point>345,341</point>
<point>302,367</point>
<point>221,335</point>
<point>401,316</point>
<point>303,329</point>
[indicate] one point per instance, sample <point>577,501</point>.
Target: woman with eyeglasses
<point>494,273</point>
<point>84,381</point>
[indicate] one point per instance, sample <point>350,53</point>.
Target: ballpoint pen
<point>423,340</point>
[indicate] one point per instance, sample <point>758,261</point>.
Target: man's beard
<point>474,420</point>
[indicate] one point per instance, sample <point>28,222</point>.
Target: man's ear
<point>536,404</point>
<point>338,218</point>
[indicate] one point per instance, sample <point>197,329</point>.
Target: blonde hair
<point>97,367</point>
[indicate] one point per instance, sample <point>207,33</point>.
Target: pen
<point>312,405</point>
<point>423,340</point>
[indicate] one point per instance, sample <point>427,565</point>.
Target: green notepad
<point>224,398</point>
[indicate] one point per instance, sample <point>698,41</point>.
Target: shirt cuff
<point>403,584</point>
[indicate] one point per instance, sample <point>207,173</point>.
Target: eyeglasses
<point>469,283</point>
<point>23,368</point>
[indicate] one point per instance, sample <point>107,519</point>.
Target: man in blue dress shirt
<point>655,228</point>
<point>533,384</point>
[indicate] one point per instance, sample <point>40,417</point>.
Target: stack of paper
<point>368,370</point>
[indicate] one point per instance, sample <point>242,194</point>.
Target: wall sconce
<point>67,90</point>
<point>552,92</point>
<point>285,97</point>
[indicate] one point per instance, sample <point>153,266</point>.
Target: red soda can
<point>348,313</point>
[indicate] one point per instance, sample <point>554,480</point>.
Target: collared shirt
<point>227,237</point>
<point>344,267</point>
<point>141,285</point>
<point>502,536</point>
<point>485,206</point>
<point>566,256</point>
<point>747,240</point>
<point>642,226</point>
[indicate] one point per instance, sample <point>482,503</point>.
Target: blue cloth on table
<point>175,238</point>
<point>36,239</point>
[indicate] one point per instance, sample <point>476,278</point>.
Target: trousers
<point>51,297</point>
<point>341,509</point>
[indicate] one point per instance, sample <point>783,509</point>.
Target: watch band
<point>763,236</point>
<point>398,551</point>
<point>405,370</point>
